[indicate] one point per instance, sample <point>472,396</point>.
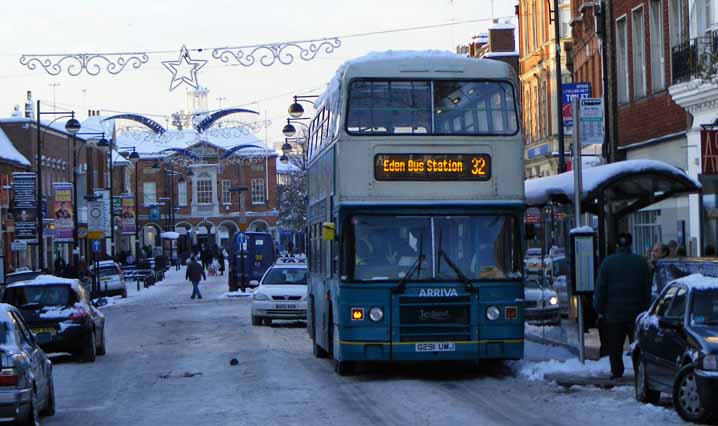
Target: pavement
<point>170,362</point>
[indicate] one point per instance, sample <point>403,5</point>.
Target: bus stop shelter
<point>613,191</point>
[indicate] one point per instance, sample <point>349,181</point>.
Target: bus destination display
<point>432,167</point>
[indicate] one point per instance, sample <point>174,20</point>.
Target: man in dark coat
<point>193,274</point>
<point>623,290</point>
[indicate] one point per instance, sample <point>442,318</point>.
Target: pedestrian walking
<point>623,290</point>
<point>193,274</point>
<point>220,258</point>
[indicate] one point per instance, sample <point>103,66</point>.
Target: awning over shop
<point>627,186</point>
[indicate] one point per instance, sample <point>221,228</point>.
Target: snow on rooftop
<point>699,282</point>
<point>502,26</point>
<point>581,229</point>
<point>489,55</point>
<point>539,191</point>
<point>9,153</point>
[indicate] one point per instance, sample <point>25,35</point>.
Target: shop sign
<point>63,213</point>
<point>709,151</point>
<point>24,211</point>
<point>128,215</point>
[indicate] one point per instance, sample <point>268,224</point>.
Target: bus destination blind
<point>432,167</point>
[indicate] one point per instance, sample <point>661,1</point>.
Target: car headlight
<point>493,313</point>
<point>376,314</point>
<point>260,296</point>
<point>710,362</point>
<point>553,301</point>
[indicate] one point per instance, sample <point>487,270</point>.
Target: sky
<point>75,26</point>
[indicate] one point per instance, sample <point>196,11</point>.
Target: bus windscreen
<point>385,248</point>
<point>436,107</point>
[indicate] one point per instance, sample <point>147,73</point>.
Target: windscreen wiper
<point>462,277</point>
<point>401,285</point>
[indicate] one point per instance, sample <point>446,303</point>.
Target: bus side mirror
<point>328,231</point>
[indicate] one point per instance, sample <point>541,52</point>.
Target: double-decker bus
<point>415,205</point>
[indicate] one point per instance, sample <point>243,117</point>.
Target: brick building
<point>537,73</point>
<point>203,185</point>
<point>499,43</point>
<point>647,122</point>
<point>60,153</point>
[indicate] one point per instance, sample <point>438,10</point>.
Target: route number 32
<point>478,166</point>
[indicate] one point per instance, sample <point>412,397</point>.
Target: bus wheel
<point>343,368</point>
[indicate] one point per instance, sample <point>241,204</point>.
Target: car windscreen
<point>37,296</point>
<point>704,309</point>
<point>108,271</point>
<point>286,276</point>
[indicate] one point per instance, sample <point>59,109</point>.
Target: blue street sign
<point>569,91</point>
<point>154,213</point>
<point>96,246</point>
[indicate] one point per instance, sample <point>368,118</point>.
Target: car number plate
<point>436,347</point>
<point>286,306</point>
<point>43,330</point>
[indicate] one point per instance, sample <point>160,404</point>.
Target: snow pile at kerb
<point>538,370</point>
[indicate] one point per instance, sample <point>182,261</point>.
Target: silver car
<point>26,387</point>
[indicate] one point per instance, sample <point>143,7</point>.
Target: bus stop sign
<point>96,246</point>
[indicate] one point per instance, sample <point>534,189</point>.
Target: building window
<point>646,230</point>
<point>675,16</point>
<point>257,191</point>
<point>149,193</point>
<point>639,57</point>
<point>226,195</point>
<point>533,26</point>
<point>622,59</point>
<point>657,62</point>
<point>565,18</point>
<point>182,193</point>
<point>544,108</point>
<point>204,189</point>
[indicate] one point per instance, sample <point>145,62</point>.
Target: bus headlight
<point>376,314</point>
<point>260,296</point>
<point>710,362</point>
<point>553,301</point>
<point>493,313</point>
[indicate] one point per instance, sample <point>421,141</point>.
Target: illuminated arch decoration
<point>156,127</point>
<point>228,153</point>
<point>208,121</point>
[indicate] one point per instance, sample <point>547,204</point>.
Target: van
<point>250,255</point>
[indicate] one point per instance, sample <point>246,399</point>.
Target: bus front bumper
<point>508,349</point>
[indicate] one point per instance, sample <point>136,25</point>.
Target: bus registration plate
<point>435,347</point>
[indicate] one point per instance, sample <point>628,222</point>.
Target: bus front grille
<point>437,319</point>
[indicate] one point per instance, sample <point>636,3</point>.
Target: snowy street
<point>168,363</point>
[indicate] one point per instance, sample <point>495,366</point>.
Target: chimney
<point>89,113</point>
<point>29,110</point>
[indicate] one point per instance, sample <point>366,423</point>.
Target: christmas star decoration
<point>184,70</point>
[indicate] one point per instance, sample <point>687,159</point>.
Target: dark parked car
<point>26,387</point>
<point>61,314</point>
<point>676,348</point>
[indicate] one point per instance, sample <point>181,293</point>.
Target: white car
<point>541,304</point>
<point>282,294</point>
<point>112,281</point>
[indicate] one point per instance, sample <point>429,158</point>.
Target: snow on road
<point>169,363</point>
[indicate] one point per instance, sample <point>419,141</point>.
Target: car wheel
<point>49,409</point>
<point>644,393</point>
<point>686,398</point>
<point>102,348</point>
<point>256,321</point>
<point>89,351</point>
<point>31,417</point>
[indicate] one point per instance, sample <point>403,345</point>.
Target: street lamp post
<point>102,142</point>
<point>134,157</point>
<point>72,127</point>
